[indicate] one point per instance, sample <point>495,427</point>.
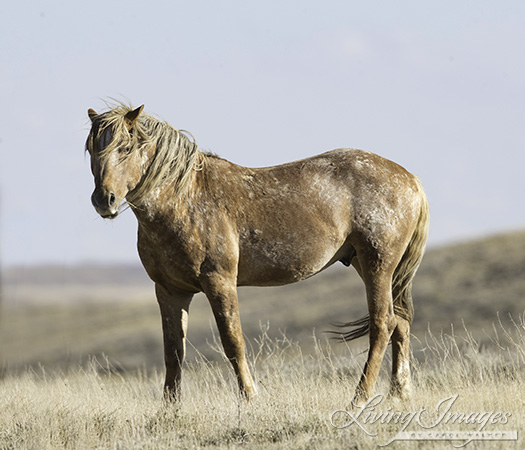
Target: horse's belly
<point>274,263</point>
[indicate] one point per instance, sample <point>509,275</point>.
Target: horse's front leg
<point>222,295</point>
<point>174,308</point>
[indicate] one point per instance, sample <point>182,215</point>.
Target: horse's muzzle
<point>105,203</point>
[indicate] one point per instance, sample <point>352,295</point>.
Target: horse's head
<point>116,162</point>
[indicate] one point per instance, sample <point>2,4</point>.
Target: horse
<point>208,225</point>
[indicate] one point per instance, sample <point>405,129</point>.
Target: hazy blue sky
<point>438,87</point>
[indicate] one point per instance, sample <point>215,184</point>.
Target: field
<point>82,361</point>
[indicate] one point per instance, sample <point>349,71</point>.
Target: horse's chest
<point>168,258</point>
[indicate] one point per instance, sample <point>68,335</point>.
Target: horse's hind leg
<point>378,285</point>
<point>222,296</point>
<point>401,383</point>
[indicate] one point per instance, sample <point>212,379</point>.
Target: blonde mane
<point>176,155</point>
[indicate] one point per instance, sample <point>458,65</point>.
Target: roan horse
<point>207,225</point>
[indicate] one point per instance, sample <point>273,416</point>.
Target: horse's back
<point>349,182</point>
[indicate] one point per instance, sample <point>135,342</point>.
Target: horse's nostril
<point>111,199</point>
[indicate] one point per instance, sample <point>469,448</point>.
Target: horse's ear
<point>92,114</point>
<point>132,117</point>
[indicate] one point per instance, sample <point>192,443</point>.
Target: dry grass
<point>58,390</point>
<point>96,407</point>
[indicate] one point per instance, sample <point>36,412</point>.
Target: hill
<point>60,315</point>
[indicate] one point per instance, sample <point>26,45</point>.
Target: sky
<point>437,86</point>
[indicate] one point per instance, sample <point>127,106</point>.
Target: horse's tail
<point>410,261</point>
<point>402,278</point>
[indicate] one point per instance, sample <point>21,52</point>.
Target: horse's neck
<point>170,157</point>
<point>165,203</point>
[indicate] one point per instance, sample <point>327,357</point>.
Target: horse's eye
<point>123,149</point>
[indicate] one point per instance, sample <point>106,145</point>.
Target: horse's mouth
<point>110,216</point>
<point>108,213</point>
